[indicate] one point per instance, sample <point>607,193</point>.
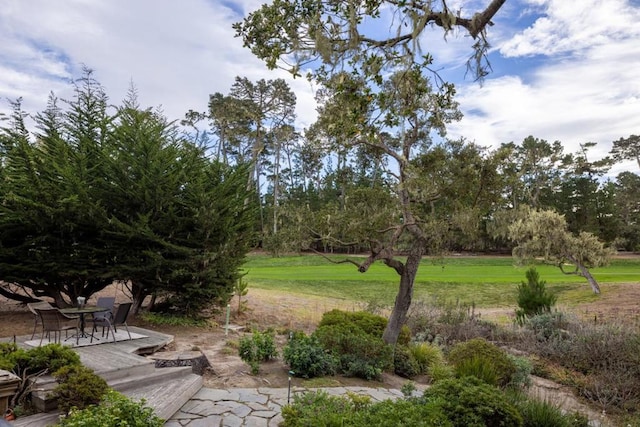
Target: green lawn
<point>486,281</point>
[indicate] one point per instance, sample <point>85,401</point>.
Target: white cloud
<point>589,93</point>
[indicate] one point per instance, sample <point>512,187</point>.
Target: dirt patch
<point>267,309</point>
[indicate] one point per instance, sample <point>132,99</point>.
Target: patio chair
<point>105,302</point>
<point>36,317</point>
<point>53,320</point>
<point>119,318</point>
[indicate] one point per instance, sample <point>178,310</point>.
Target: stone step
<point>167,398</point>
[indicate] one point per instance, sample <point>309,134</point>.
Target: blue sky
<point>562,70</point>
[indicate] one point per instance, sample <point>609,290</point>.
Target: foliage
<point>78,387</point>
<point>172,319</point>
<point>356,339</point>
<point>240,289</point>
<point>426,356</point>
<point>307,358</point>
<point>128,186</point>
<point>544,234</point>
<point>367,322</point>
<point>322,410</point>
<point>469,402</point>
<point>404,363</point>
<point>521,378</point>
<point>547,325</point>
<point>259,347</point>
<point>533,297</point>
<point>484,356</point>
<point>537,413</point>
<point>478,367</point>
<point>115,410</point>
<point>446,322</point>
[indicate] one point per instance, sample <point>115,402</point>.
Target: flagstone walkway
<point>253,407</point>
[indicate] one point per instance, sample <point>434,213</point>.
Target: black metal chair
<point>112,322</point>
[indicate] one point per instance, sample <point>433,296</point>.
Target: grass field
<point>485,281</point>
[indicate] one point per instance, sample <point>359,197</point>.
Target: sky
<point>562,70</point>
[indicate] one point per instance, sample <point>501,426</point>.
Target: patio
<point>125,368</point>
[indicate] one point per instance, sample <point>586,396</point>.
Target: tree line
<point>97,195</point>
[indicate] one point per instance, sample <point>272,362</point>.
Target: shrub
<point>78,388</point>
<point>307,358</point>
<point>439,372</point>
<point>318,409</point>
<point>369,323</point>
<point>533,297</point>
<point>426,355</point>
<point>52,357</point>
<point>360,354</point>
<point>547,325</point>
<point>537,413</point>
<point>445,323</point>
<point>468,402</point>
<point>404,364</point>
<point>487,354</point>
<point>259,347</point>
<point>115,410</point>
<point>522,375</point>
<point>479,367</point>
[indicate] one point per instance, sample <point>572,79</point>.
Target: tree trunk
<point>584,272</point>
<point>405,294</point>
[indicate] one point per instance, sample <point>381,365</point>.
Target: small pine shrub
<point>486,354</point>
<point>78,387</point>
<point>307,358</point>
<point>259,347</point>
<point>404,364</point>
<point>533,297</point>
<point>114,410</point>
<point>468,402</point>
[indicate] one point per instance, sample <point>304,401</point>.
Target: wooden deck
<point>125,368</point>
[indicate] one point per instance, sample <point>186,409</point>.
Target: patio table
<point>81,312</point>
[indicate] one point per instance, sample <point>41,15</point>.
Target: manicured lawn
<point>485,281</point>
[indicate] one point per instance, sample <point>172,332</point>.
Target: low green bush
<point>404,364</point>
<point>319,409</point>
<point>479,367</point>
<point>360,354</point>
<point>307,358</point>
<point>522,375</point>
<point>170,319</point>
<point>371,324</point>
<point>481,354</point>
<point>78,387</point>
<point>114,410</point>
<point>547,325</point>
<point>536,413</point>
<point>468,402</point>
<point>256,348</point>
<point>426,355</point>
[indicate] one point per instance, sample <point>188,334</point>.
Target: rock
<point>196,359</point>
